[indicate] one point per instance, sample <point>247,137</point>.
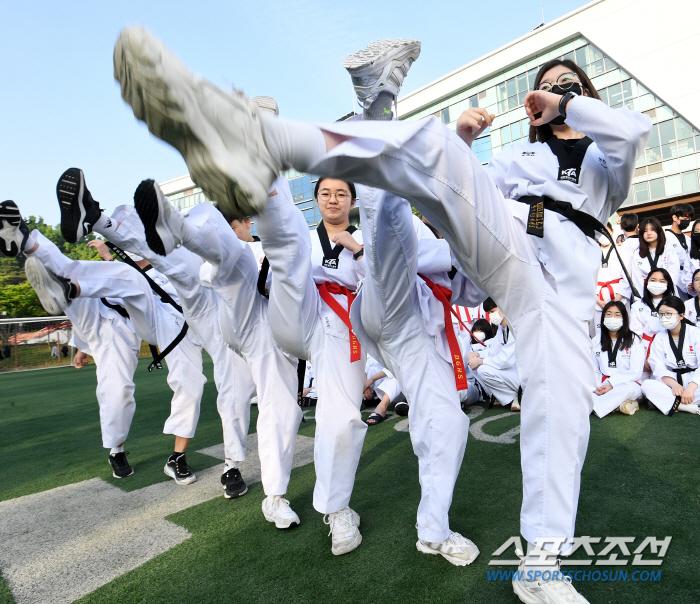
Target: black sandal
<point>378,419</point>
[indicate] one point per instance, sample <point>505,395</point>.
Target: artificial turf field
<point>641,479</point>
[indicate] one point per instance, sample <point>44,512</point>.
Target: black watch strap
<point>359,254</point>
<point>563,102</point>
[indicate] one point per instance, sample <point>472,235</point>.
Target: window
<point>582,56</point>
<point>683,128</point>
<point>445,115</point>
<point>482,148</point>
<point>505,135</point>
<point>657,188</point>
<point>690,181</point>
<point>515,131</point>
<point>615,96</point>
<point>673,185</point>
<point>604,95</point>
<point>473,101</point>
<point>531,75</point>
<point>641,192</point>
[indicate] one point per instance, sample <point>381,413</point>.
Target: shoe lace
<point>120,459</point>
<point>342,521</point>
<point>181,465</point>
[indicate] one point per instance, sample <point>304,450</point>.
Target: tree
<point>20,301</point>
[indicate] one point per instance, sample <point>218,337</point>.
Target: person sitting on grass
<point>385,386</point>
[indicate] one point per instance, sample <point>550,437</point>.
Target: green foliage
<point>17,298</point>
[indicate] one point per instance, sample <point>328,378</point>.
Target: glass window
<point>510,87</point>
<point>582,56</point>
<point>515,131</point>
<point>445,115</point>
<point>496,137</point>
<point>673,185</point>
<point>627,89</point>
<point>663,113</point>
<point>505,135</point>
<point>653,137</point>
<point>646,102</point>
<point>609,64</point>
<point>615,95</point>
<point>604,95</point>
<point>502,107</point>
<point>672,166</point>
<point>521,80</point>
<point>667,133</point>
<point>669,151</point>
<point>474,101</point>
<point>501,92</point>
<point>641,162</point>
<point>569,56</point>
<point>641,192</point>
<point>513,102</point>
<point>595,53</point>
<point>525,128</point>
<point>686,147</point>
<point>531,75</point>
<point>683,128</point>
<point>687,163</point>
<point>657,188</point>
<point>690,181</point>
<point>612,77</point>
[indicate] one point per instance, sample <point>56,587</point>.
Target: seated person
<point>308,394</point>
<point>477,342</point>
<point>380,381</point>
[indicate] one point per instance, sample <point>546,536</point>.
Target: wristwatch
<point>564,101</point>
<point>358,255</point>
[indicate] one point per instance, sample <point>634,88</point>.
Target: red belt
<point>326,289</point>
<point>609,285</point>
<point>459,318</point>
<point>649,339</point>
<point>443,296</point>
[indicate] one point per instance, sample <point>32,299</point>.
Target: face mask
<point>669,322</point>
<point>656,288</point>
<point>479,336</point>
<point>495,318</point>
<point>612,323</point>
<point>575,88</point>
<point>683,224</point>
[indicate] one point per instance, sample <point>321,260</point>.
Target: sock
<point>115,450</point>
<point>176,454</point>
<point>31,240</point>
<point>105,225</point>
<point>293,144</point>
<point>380,110</point>
<point>230,464</point>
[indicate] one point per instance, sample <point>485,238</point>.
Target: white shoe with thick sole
<point>456,549</point>
<point>163,224</point>
<point>629,407</point>
<point>219,134</point>
<point>382,66</point>
<point>515,405</point>
<point>278,510</point>
<point>52,290</point>
<point>345,529</point>
<point>554,591</point>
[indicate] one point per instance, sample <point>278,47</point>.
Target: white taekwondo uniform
<point>498,374</point>
<point>388,385</point>
<point>680,245</point>
<point>623,373</point>
<point>426,163</point>
<point>641,267</point>
<point>611,282</point>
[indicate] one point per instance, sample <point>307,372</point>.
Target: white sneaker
<point>278,510</point>
<point>383,65</point>
<point>629,407</point>
<point>219,134</point>
<point>266,104</point>
<point>163,224</point>
<point>53,291</point>
<point>554,591</point>
<point>456,549</point>
<point>345,528</point>
<point>515,405</point>
<point>13,230</point>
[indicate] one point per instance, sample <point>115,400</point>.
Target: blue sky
<point>60,106</point>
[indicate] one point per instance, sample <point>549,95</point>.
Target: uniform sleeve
<point>657,359</point>
<point>620,134</point>
<point>77,342</point>
<point>505,357</point>
<point>497,168</point>
<point>636,272</point>
<point>360,265</point>
<point>696,342</point>
<point>596,365</point>
<point>464,291</point>
<point>636,368</point>
<point>636,324</point>
<point>674,265</point>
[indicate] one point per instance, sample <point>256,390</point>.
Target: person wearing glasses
<point>674,362</point>
<point>692,261</point>
<point>618,356</point>
<point>692,304</point>
<point>644,314</point>
<point>522,229</point>
<point>653,252</point>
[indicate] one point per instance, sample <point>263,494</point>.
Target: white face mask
<point>495,318</point>
<point>612,323</point>
<point>656,288</point>
<point>669,322</point>
<point>479,336</point>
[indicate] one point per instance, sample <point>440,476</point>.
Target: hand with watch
<point>547,107</point>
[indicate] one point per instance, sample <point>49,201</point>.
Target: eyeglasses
<point>564,81</point>
<point>609,315</point>
<point>667,315</point>
<point>340,196</point>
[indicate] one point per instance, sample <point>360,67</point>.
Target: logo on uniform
<point>603,162</point>
<point>528,154</point>
<point>569,174</point>
<point>612,364</point>
<point>330,263</point>
<point>681,363</point>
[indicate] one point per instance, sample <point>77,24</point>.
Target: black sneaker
<point>79,211</point>
<point>120,465</point>
<point>178,470</point>
<point>234,485</point>
<point>13,230</point>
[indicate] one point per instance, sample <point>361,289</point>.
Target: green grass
<point>641,478</point>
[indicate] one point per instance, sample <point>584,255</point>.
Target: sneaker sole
<point>451,559</point>
<point>378,54</point>
<point>148,208</point>
<point>169,472</point>
<point>281,526</point>
<point>525,596</point>
<point>125,476</point>
<point>49,292</point>
<point>235,496</point>
<point>347,547</point>
<point>155,84</point>
<point>401,409</point>
<point>629,407</point>
<point>9,216</point>
<point>69,191</point>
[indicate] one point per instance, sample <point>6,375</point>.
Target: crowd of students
<point>506,291</point>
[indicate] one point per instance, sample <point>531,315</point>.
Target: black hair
<point>695,272</point>
<point>351,186</point>
<point>489,305</point>
<point>624,335</point>
<point>485,326</point>
<point>646,297</point>
<point>694,247</point>
<point>228,217</point>
<point>676,304</point>
<point>629,222</point>
<point>544,132</point>
<point>660,241</point>
<point>682,209</point>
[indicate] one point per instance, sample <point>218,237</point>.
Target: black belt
<point>587,224</point>
<point>679,372</point>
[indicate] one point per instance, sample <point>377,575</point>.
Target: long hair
<point>695,272</point>
<point>624,335</point>
<point>676,304</point>
<point>544,132</point>
<point>694,247</point>
<point>485,326</point>
<point>660,242</point>
<point>670,289</point>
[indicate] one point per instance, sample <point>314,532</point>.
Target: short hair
<point>682,209</point>
<point>228,217</point>
<point>489,305</point>
<point>629,222</point>
<point>351,186</point>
